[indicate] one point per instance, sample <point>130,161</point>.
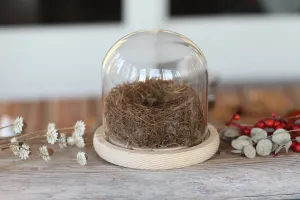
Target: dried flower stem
<point>6,145</point>
<point>232,118</point>
<point>29,134</point>
<point>41,131</point>
<point>67,128</point>
<point>9,143</point>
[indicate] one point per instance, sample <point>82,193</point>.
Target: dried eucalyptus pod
<point>281,136</point>
<point>231,132</point>
<point>258,134</point>
<point>239,144</point>
<point>245,137</point>
<point>274,146</point>
<point>288,145</point>
<point>264,147</point>
<point>237,151</point>
<point>249,151</point>
<point>278,149</point>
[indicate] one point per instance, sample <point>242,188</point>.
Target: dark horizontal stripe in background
<point>44,12</point>
<point>180,8</point>
<point>213,7</point>
<point>34,12</point>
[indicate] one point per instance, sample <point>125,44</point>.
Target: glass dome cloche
<point>154,90</point>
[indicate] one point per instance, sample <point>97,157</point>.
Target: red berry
<point>247,131</point>
<point>274,114</point>
<point>278,126</point>
<point>260,125</point>
<point>269,122</point>
<point>237,117</point>
<point>276,123</point>
<point>297,147</point>
<point>294,143</point>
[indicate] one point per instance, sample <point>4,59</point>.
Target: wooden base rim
<point>156,160</point>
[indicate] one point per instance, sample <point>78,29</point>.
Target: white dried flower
<point>13,140</point>
<point>80,142</point>
<point>74,135</point>
<point>24,152</point>
<point>62,141</point>
<point>81,158</point>
<point>79,128</point>
<point>71,141</point>
<point>51,127</point>
<point>52,136</point>
<point>45,153</point>
<point>15,149</point>
<point>18,125</point>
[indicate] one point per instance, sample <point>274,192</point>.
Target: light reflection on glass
<point>167,74</point>
<point>155,73</point>
<point>142,75</point>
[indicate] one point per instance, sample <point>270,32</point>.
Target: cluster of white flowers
<point>45,153</point>
<point>15,149</point>
<point>13,140</point>
<point>79,142</point>
<point>81,158</point>
<point>62,141</point>
<point>77,136</point>
<point>51,134</point>
<point>71,141</point>
<point>23,151</point>
<point>79,128</point>
<point>18,125</point>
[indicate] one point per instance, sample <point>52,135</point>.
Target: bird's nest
<point>154,114</point>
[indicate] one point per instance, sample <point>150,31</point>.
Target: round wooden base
<point>153,159</point>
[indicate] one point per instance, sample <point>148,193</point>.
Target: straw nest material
<point>154,114</point>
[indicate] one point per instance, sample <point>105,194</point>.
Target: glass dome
<point>154,91</point>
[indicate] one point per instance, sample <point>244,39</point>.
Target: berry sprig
<point>270,125</point>
<point>245,129</point>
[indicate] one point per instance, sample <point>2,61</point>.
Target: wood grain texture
<point>255,100</point>
<point>225,176</point>
<point>156,160</point>
<point>63,112</point>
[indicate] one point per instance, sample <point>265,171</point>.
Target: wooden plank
<point>225,176</point>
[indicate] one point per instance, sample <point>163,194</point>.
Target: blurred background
<point>51,52</point>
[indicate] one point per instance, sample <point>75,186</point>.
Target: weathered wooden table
<point>225,176</point>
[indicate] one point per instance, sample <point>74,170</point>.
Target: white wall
<point>65,61</point>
